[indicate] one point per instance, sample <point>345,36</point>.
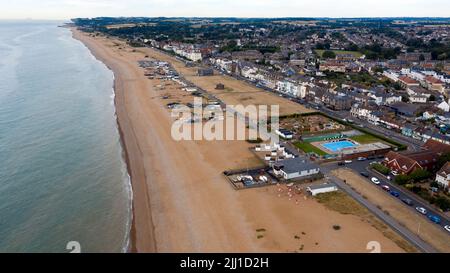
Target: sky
<point>66,9</point>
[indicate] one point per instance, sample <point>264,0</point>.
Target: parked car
<point>341,163</point>
<point>394,173</point>
<point>362,158</point>
<point>395,194</point>
<point>407,201</point>
<point>364,174</point>
<point>375,181</point>
<point>421,210</point>
<point>348,161</point>
<point>447,228</point>
<point>386,188</point>
<point>434,218</point>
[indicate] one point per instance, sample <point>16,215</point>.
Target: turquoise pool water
<point>339,145</point>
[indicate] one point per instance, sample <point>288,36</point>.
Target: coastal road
<point>363,166</point>
<point>391,222</point>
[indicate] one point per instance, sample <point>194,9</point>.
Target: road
<point>413,145</point>
<point>363,166</point>
<point>391,222</point>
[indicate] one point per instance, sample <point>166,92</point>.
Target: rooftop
<point>296,165</point>
<point>322,186</point>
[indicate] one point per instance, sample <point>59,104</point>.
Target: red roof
<point>408,80</point>
<point>426,159</point>
<point>433,80</point>
<point>445,170</point>
<point>436,146</point>
<point>405,163</point>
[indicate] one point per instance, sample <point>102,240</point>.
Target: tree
<point>352,47</point>
<point>378,69</point>
<point>328,54</point>
<point>443,203</point>
<point>419,175</point>
<point>401,179</point>
<point>397,86</point>
<point>444,158</point>
<point>421,58</point>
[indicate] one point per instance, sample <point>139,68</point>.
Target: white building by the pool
<point>295,168</point>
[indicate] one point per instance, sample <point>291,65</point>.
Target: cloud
<point>52,9</point>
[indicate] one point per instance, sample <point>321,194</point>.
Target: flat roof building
<point>323,188</point>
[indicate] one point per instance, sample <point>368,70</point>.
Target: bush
<point>328,54</point>
<point>381,168</point>
<point>434,184</point>
<point>401,179</point>
<point>443,203</point>
<point>419,175</point>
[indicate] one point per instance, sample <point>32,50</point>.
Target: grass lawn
<point>365,139</point>
<point>355,53</point>
<point>344,204</point>
<point>308,148</point>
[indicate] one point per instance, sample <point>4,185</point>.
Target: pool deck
<point>339,145</point>
<point>357,148</point>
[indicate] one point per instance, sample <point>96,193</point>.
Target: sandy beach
<point>183,203</point>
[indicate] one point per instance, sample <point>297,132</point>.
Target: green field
<point>309,148</point>
<point>355,53</point>
<point>365,139</point>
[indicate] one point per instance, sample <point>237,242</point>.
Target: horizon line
<point>229,17</point>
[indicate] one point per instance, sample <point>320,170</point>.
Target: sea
<point>64,185</point>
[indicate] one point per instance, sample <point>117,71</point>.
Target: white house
<point>418,99</point>
<point>324,188</point>
<point>292,88</point>
<point>443,176</point>
<point>444,106</point>
<point>391,75</point>
<point>295,168</point>
<point>286,134</point>
<point>360,112</point>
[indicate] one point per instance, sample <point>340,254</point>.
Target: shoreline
<point>192,208</point>
<point>132,230</point>
<point>132,168</point>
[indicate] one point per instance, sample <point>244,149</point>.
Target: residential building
<point>435,84</point>
<point>406,81</point>
<point>443,176</point>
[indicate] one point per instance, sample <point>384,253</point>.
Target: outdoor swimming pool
<point>339,145</point>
